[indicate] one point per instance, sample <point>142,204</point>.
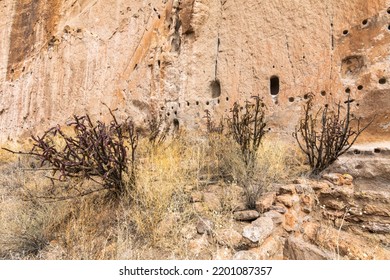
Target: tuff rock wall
<point>179,58</point>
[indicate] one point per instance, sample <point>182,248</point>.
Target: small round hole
<point>207,103</point>
<point>388,27</point>
<point>377,150</point>
<point>291,99</point>
<point>175,112</point>
<point>345,32</point>
<point>382,81</point>
<point>364,22</point>
<point>357,104</point>
<point>188,103</point>
<point>197,102</point>
<point>347,90</point>
<point>388,10</point>
<point>323,93</point>
<point>227,98</point>
<point>168,114</point>
<point>218,101</point>
<point>360,87</point>
<point>356,152</point>
<point>306,96</point>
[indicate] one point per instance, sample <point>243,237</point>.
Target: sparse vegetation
<point>156,216</point>
<point>326,134</point>
<point>247,128</point>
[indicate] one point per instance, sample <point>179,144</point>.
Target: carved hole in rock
<point>306,96</point>
<point>365,22</point>
<point>162,108</point>
<point>172,107</point>
<point>175,112</point>
<point>323,93</point>
<point>269,129</point>
<point>168,114</point>
<point>176,124</point>
<point>382,81</point>
<point>197,102</point>
<point>352,65</point>
<point>218,101</point>
<point>345,32</point>
<point>227,98</point>
<point>188,103</point>
<point>12,71</point>
<point>360,87</point>
<point>388,10</point>
<point>291,99</point>
<point>377,150</point>
<point>215,89</point>
<point>207,103</point>
<point>356,152</point>
<point>159,63</point>
<point>347,90</point>
<point>388,27</point>
<point>274,85</point>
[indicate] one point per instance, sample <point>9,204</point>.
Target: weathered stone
<point>264,203</point>
<point>287,200</point>
<point>297,249</point>
<point>338,179</point>
<point>223,253</point>
<point>204,226</point>
<point>379,209</point>
<point>279,208</point>
<point>244,255</point>
<point>211,202</point>
<point>259,230</point>
<point>319,185</point>
<point>246,215</point>
<point>276,217</point>
<point>228,237</point>
<point>289,189</point>
<point>272,248</point>
<point>378,227</point>
<point>290,221</point>
<point>334,178</point>
<point>197,247</point>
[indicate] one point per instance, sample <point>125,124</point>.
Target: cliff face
<point>179,58</point>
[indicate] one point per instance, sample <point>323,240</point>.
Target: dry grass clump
<point>165,176</point>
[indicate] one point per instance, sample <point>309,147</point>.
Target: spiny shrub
<point>326,134</point>
<point>95,151</point>
<point>247,127</point>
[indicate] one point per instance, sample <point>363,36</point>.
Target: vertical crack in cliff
<point>289,58</point>
<point>332,45</point>
<point>222,3</point>
<point>216,58</point>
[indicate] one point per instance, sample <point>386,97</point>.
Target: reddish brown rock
<point>246,215</point>
<point>265,202</point>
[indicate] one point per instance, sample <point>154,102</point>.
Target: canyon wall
<point>179,58</point>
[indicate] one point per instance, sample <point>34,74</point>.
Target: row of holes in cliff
<point>365,23</point>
